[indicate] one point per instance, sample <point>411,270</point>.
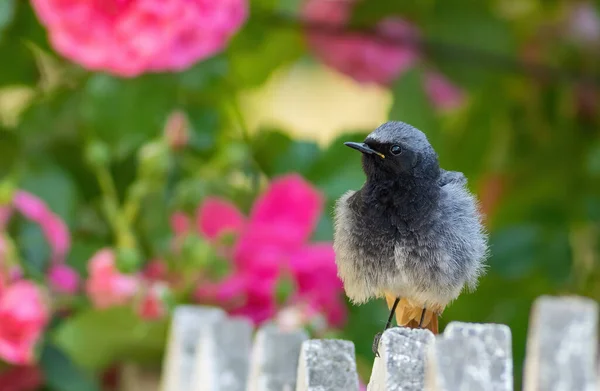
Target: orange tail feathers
<point>408,315</point>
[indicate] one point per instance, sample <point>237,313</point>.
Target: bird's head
<point>396,149</point>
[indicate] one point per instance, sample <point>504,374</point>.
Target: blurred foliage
<point>529,145</point>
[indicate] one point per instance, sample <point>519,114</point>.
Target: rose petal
<point>290,204</point>
<point>128,38</point>
<point>365,59</point>
<point>106,286</point>
<point>64,279</point>
<point>30,206</point>
<point>24,316</point>
<point>57,234</point>
<point>216,217</point>
<point>443,93</point>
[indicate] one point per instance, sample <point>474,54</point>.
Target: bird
<point>412,234</point>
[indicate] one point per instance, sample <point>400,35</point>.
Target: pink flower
<point>372,60</point>
<point>443,94</point>
<point>318,285</point>
<point>24,315</point>
<point>106,286</point>
<point>365,59</point>
<point>54,229</point>
<point>63,279</point>
<point>216,217</point>
<point>130,37</point>
<point>272,243</point>
<point>180,223</point>
<point>31,206</point>
<point>152,305</point>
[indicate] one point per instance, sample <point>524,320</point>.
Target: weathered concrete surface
<point>562,345</point>
<point>401,366</point>
<point>274,361</point>
<point>224,356</point>
<point>470,357</point>
<point>184,336</point>
<point>327,365</point>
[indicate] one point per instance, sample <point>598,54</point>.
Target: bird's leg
<point>422,317</point>
<point>387,326</point>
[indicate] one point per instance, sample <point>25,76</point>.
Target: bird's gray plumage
<point>413,229</point>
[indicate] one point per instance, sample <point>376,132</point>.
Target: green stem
<point>110,202</point>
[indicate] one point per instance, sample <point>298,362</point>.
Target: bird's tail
<point>409,315</point>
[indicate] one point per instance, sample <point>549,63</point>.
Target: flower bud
<point>177,130</point>
<point>154,160</point>
<point>97,154</point>
<point>128,259</point>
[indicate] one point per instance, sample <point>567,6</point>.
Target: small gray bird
<point>412,234</point>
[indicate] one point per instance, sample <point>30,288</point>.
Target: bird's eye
<point>396,150</point>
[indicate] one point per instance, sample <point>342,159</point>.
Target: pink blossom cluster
<point>367,59</point>
<point>23,317</point>
<point>107,287</point>
<point>24,309</point>
<point>271,245</point>
<point>130,37</point>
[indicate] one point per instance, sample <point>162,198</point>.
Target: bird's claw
<point>376,343</point>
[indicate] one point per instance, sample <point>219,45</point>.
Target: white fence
<point>210,352</point>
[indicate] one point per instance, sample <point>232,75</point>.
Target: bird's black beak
<point>364,148</point>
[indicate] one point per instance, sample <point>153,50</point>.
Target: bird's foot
<point>376,343</point>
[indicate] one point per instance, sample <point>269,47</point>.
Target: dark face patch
<point>399,160</point>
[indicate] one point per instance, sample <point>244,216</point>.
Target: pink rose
<point>106,286</point>
<point>273,241</point>
<point>365,59</point>
<point>216,217</point>
<point>130,37</point>
<point>24,315</point>
<point>368,59</point>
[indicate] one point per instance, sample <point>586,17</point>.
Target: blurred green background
<point>526,138</point>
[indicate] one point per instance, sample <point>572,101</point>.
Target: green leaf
<point>367,13</point>
<point>61,374</point>
<point>35,249</point>
<point>339,168</point>
<point>204,121</point>
<point>19,28</point>
<point>97,338</point>
<point>202,76</point>
<point>514,250</point>
<point>53,185</point>
<point>125,113</point>
<point>277,153</point>
<point>258,50</point>
<point>7,12</point>
<point>10,151</point>
<point>411,104</point>
<point>450,23</point>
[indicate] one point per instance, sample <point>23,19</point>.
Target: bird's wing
<point>447,177</point>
